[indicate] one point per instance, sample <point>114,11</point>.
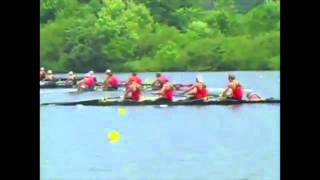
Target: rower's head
<point>49,71</point>
<point>108,72</point>
<point>134,74</point>
<point>199,79</point>
<point>70,73</point>
<point>91,72</point>
<point>42,69</point>
<point>87,75</point>
<point>231,77</point>
<point>158,75</point>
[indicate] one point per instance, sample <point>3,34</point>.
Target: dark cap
<point>231,76</point>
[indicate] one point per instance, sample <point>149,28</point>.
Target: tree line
<point>159,35</point>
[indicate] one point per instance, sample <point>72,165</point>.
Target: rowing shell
<point>153,101</point>
<point>54,85</point>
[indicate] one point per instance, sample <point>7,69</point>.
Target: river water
<point>240,142</point>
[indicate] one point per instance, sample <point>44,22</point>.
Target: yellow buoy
<point>122,111</point>
<point>114,136</point>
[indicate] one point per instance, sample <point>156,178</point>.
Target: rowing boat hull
<point>54,85</point>
<point>99,102</point>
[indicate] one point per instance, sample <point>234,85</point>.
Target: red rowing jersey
<point>113,81</point>
<point>169,94</point>
<point>238,93</point>
<point>94,78</point>
<point>136,79</point>
<point>136,95</point>
<point>201,93</point>
<point>89,81</point>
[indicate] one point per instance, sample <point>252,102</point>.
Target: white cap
<point>91,72</point>
<point>49,72</point>
<point>42,68</point>
<point>199,78</point>
<point>87,75</point>
<point>108,71</point>
<point>70,72</point>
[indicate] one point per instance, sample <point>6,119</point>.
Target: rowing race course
<point>239,141</point>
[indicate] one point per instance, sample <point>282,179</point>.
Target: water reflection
<point>236,107</point>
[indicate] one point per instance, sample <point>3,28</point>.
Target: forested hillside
<point>159,35</point>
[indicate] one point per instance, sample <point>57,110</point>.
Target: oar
<point>154,92</point>
<point>116,97</point>
<point>181,95</point>
<point>60,82</point>
<point>188,96</point>
<point>99,84</point>
<point>122,83</point>
<point>176,95</point>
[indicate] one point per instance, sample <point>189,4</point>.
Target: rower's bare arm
<point>154,81</point>
<point>188,90</point>
<point>161,91</point>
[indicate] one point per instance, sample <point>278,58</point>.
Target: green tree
<point>262,19</point>
<point>159,35</point>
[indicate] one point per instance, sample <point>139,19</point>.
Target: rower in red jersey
<point>198,90</point>
<point>87,83</point>
<point>159,81</point>
<point>134,77</point>
<point>166,91</point>
<point>111,81</point>
<point>133,91</point>
<point>234,89</point>
<point>93,76</point>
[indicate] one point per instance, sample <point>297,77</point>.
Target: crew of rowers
<point>133,86</point>
<point>46,76</point>
<point>197,91</point>
<point>166,92</point>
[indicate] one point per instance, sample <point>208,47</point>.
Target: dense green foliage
<point>159,35</point>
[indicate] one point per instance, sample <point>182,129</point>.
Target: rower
<point>49,76</point>
<point>158,82</point>
<point>198,90</point>
<point>166,91</point>
<point>42,74</point>
<point>87,83</point>
<point>111,81</point>
<point>132,91</point>
<point>93,76</point>
<point>136,78</point>
<point>252,96</point>
<point>234,89</point>
<point>71,79</point>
